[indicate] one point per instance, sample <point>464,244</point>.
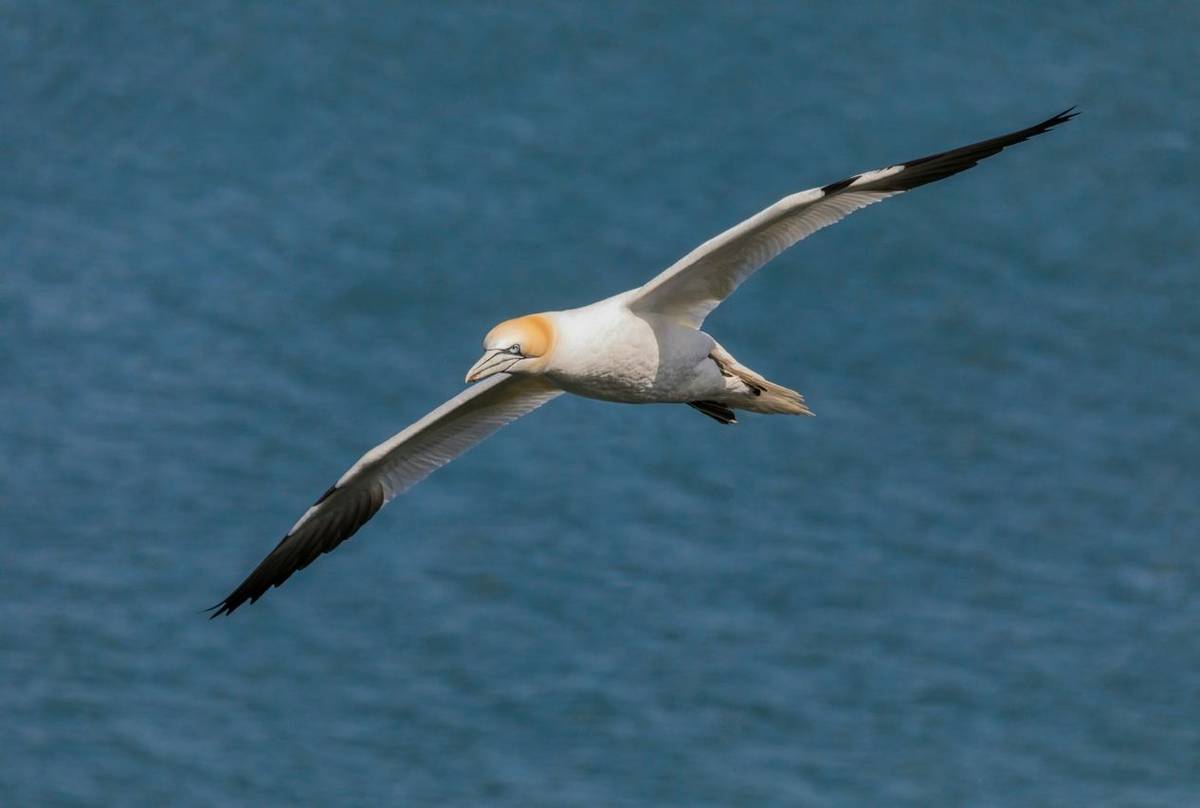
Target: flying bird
<point>638,347</point>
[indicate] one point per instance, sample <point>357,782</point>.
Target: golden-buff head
<point>521,345</point>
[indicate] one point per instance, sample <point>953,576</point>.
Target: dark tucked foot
<point>715,411</point>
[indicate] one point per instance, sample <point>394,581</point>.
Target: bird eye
<point>515,349</point>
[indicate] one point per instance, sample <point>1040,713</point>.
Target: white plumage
<point>641,346</point>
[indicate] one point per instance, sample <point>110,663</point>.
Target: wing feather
<point>390,469</point>
<point>696,284</point>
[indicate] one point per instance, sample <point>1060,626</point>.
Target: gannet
<point>639,347</point>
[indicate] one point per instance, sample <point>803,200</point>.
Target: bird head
<point>522,345</point>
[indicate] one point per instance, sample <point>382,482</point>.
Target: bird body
<point>611,351</point>
<point>605,351</point>
<point>638,347</point>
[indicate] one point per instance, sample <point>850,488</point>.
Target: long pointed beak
<point>491,363</point>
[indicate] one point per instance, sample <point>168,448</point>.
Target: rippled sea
<point>240,244</point>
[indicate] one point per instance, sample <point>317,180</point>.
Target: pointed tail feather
<point>763,395</point>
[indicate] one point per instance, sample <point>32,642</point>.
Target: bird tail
<point>754,392</point>
<point>770,397</point>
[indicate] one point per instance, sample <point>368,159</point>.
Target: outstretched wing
<point>696,284</point>
<point>390,469</point>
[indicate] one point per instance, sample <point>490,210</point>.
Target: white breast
<point>606,351</point>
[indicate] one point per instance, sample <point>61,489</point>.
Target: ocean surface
<point>242,243</point>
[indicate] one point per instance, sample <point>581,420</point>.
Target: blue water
<point>240,245</point>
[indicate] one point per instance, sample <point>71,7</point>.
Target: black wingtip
<point>1062,117</point>
<point>934,167</point>
<point>243,594</point>
<point>231,602</point>
<point>834,187</point>
<point>222,608</point>
<point>304,543</point>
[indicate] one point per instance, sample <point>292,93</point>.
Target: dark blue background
<point>240,245</point>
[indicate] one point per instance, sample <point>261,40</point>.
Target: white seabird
<point>641,346</point>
